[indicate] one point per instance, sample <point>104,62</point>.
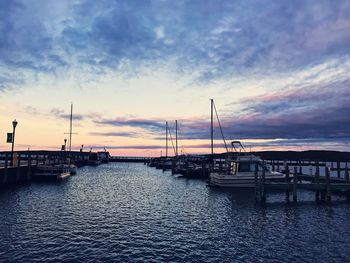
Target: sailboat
<point>72,167</point>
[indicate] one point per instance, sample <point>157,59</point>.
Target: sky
<point>278,72</point>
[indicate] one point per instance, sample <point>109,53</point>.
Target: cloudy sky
<point>277,70</point>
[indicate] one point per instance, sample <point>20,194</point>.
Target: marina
<point>175,131</point>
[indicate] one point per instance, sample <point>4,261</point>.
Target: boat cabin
<point>246,164</point>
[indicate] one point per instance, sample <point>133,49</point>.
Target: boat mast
<point>176,151</point>
<point>70,128</point>
<point>212,130</point>
<point>166,139</point>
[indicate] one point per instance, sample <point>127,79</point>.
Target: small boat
<point>240,173</point>
<point>47,172</point>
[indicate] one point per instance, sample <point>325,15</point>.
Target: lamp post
<point>14,124</point>
<point>65,144</point>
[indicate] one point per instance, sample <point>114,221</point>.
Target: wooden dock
<point>24,164</point>
<point>129,159</point>
<point>323,186</point>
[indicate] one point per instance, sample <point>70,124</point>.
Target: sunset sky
<point>279,72</point>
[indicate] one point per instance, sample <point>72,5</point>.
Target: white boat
<point>240,173</point>
<point>52,172</point>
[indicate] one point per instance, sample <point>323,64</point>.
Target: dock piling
<point>328,188</point>
<point>300,168</point>
<point>317,180</point>
<point>295,180</point>
<point>338,169</point>
<point>18,168</point>
<point>257,187</point>
<point>29,166</point>
<point>286,170</point>
<point>5,170</point>
<point>347,173</point>
<point>262,185</point>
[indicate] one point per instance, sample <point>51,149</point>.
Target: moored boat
<point>51,172</point>
<point>240,173</point>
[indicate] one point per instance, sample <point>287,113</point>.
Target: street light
<point>14,124</point>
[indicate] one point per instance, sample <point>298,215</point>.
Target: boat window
<point>233,167</point>
<point>246,167</point>
<point>260,167</point>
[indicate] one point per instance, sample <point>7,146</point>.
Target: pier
<point>19,168</point>
<point>129,159</point>
<point>323,186</point>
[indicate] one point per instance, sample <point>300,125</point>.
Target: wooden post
<point>286,170</point>
<point>187,168</point>
<point>338,169</point>
<point>278,165</point>
<point>317,180</point>
<point>273,165</point>
<point>295,180</point>
<point>262,185</point>
<point>6,169</point>
<point>203,169</point>
<point>328,188</point>
<point>37,159</point>
<point>29,165</point>
<point>300,168</point>
<point>257,187</point>
<point>18,170</point>
<point>347,173</point>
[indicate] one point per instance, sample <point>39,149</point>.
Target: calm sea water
<point>133,213</point>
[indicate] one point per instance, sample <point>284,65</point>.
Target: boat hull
<point>241,181</point>
<point>51,173</point>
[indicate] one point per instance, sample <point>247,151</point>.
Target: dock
<point>323,186</point>
<point>129,159</point>
<point>24,164</point>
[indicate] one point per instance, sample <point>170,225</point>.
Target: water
<point>133,213</point>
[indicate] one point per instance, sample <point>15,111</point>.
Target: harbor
<point>175,131</point>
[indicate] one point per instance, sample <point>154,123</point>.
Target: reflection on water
<point>133,213</point>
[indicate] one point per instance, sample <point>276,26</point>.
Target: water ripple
<point>133,213</point>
